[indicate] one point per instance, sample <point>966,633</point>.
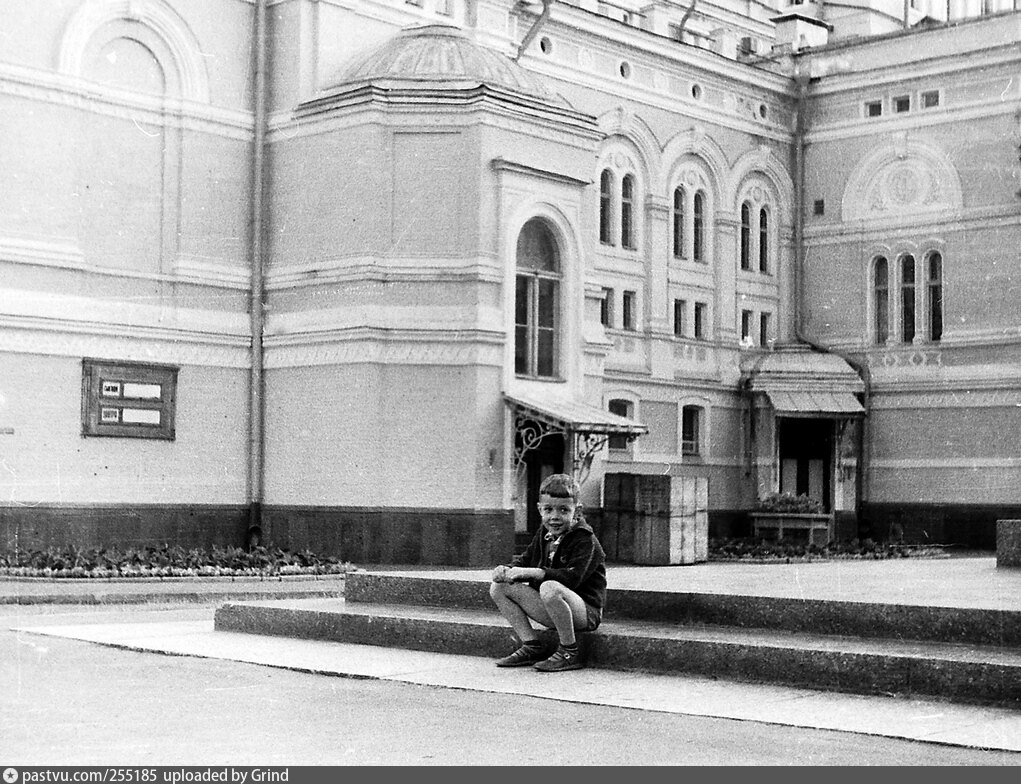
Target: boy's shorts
<point>595,617</point>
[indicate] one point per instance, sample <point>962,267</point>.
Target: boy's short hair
<point>560,486</point>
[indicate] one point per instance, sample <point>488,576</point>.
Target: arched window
<point>881,299</point>
<point>764,239</point>
<point>698,227</point>
<point>623,408</point>
<point>935,296</point>
<point>678,223</point>
<point>606,207</point>
<point>907,298</point>
<point>691,417</point>
<point>627,199</point>
<point>536,301</point>
<point>746,236</point>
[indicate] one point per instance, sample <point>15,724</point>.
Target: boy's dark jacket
<point>579,562</point>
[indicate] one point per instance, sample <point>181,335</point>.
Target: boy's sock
<point>572,648</point>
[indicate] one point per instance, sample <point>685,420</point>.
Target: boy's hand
<point>500,574</point>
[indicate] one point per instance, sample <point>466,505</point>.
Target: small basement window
<point>128,399</point>
<point>873,108</point>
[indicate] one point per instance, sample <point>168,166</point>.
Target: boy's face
<point>557,513</point>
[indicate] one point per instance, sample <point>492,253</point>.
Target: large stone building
<point>355,276</point>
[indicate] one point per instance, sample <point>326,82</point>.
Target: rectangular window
<point>628,315</point>
<point>621,408</point>
<point>535,326</point>
<point>445,7</point>
<point>689,430</point>
<point>700,320</point>
<point>902,103</point>
<point>930,99</point>
<point>606,308</point>
<point>819,207</point>
<point>907,290</point>
<point>873,108</point>
<point>764,329</point>
<point>680,317</point>
<point>746,327</point>
<point>128,399</point>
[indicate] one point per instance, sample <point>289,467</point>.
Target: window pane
<point>678,216</point>
<point>620,408</point>
<point>627,193</point>
<point>698,227</point>
<point>605,202</point>
<point>764,329</point>
<point>935,296</point>
<point>689,430</point>
<point>763,240</point>
<point>680,316</point>
<point>521,328</point>
<point>746,237</point>
<point>908,298</point>
<point>881,305</point>
<point>546,365</point>
<point>547,303</point>
<point>537,249</point>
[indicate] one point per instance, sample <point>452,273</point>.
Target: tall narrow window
<point>606,308</point>
<point>764,330</point>
<point>907,298</point>
<point>700,325</point>
<point>678,223</point>
<point>746,327</point>
<point>606,207</point>
<point>628,310</point>
<point>881,300</point>
<point>622,408</point>
<point>680,317</point>
<point>746,236</point>
<point>698,227</point>
<point>627,201</point>
<point>690,416</point>
<point>935,299</point>
<point>764,239</point>
<point>537,301</point>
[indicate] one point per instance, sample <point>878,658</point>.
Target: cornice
<point>386,347</point>
<point>75,93</point>
<point>368,269</point>
<point>930,224</point>
<point>74,339</point>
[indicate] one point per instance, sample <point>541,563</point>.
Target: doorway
<point>806,457</point>
<point>544,458</point>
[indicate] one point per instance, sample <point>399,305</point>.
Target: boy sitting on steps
<point>559,581</point>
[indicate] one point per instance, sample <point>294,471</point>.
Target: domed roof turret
<point>439,57</point>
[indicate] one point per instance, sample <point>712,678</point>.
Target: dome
<point>440,56</point>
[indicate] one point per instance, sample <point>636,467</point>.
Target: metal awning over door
<point>585,427</point>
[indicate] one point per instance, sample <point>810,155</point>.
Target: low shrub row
<point>166,561</point>
<point>751,549</point>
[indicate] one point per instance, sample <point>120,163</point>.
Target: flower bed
<point>166,561</point>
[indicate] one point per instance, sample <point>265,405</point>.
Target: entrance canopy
<point>585,428</point>
<point>800,382</point>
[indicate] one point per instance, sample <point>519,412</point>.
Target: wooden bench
<point>817,528</point>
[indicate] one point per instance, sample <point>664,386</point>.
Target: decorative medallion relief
<point>900,181</point>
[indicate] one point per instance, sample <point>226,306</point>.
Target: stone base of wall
<point>970,526</point>
<point>25,528</point>
<point>1008,543</point>
<point>449,537</point>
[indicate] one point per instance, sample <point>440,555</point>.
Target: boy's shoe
<point>523,656</point>
<point>561,660</point>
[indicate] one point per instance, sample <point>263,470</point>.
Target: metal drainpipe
<point>534,29</point>
<point>256,401</point>
<point>802,79</point>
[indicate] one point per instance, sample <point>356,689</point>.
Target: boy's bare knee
<point>497,589</point>
<point>551,589</point>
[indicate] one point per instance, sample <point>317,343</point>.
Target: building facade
<point>355,277</point>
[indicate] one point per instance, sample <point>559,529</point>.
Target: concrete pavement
<point>971,582</point>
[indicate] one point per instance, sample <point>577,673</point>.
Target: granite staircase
<point>957,654</point>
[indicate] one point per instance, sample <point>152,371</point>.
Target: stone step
<point>814,616</point>
<point>958,672</point>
